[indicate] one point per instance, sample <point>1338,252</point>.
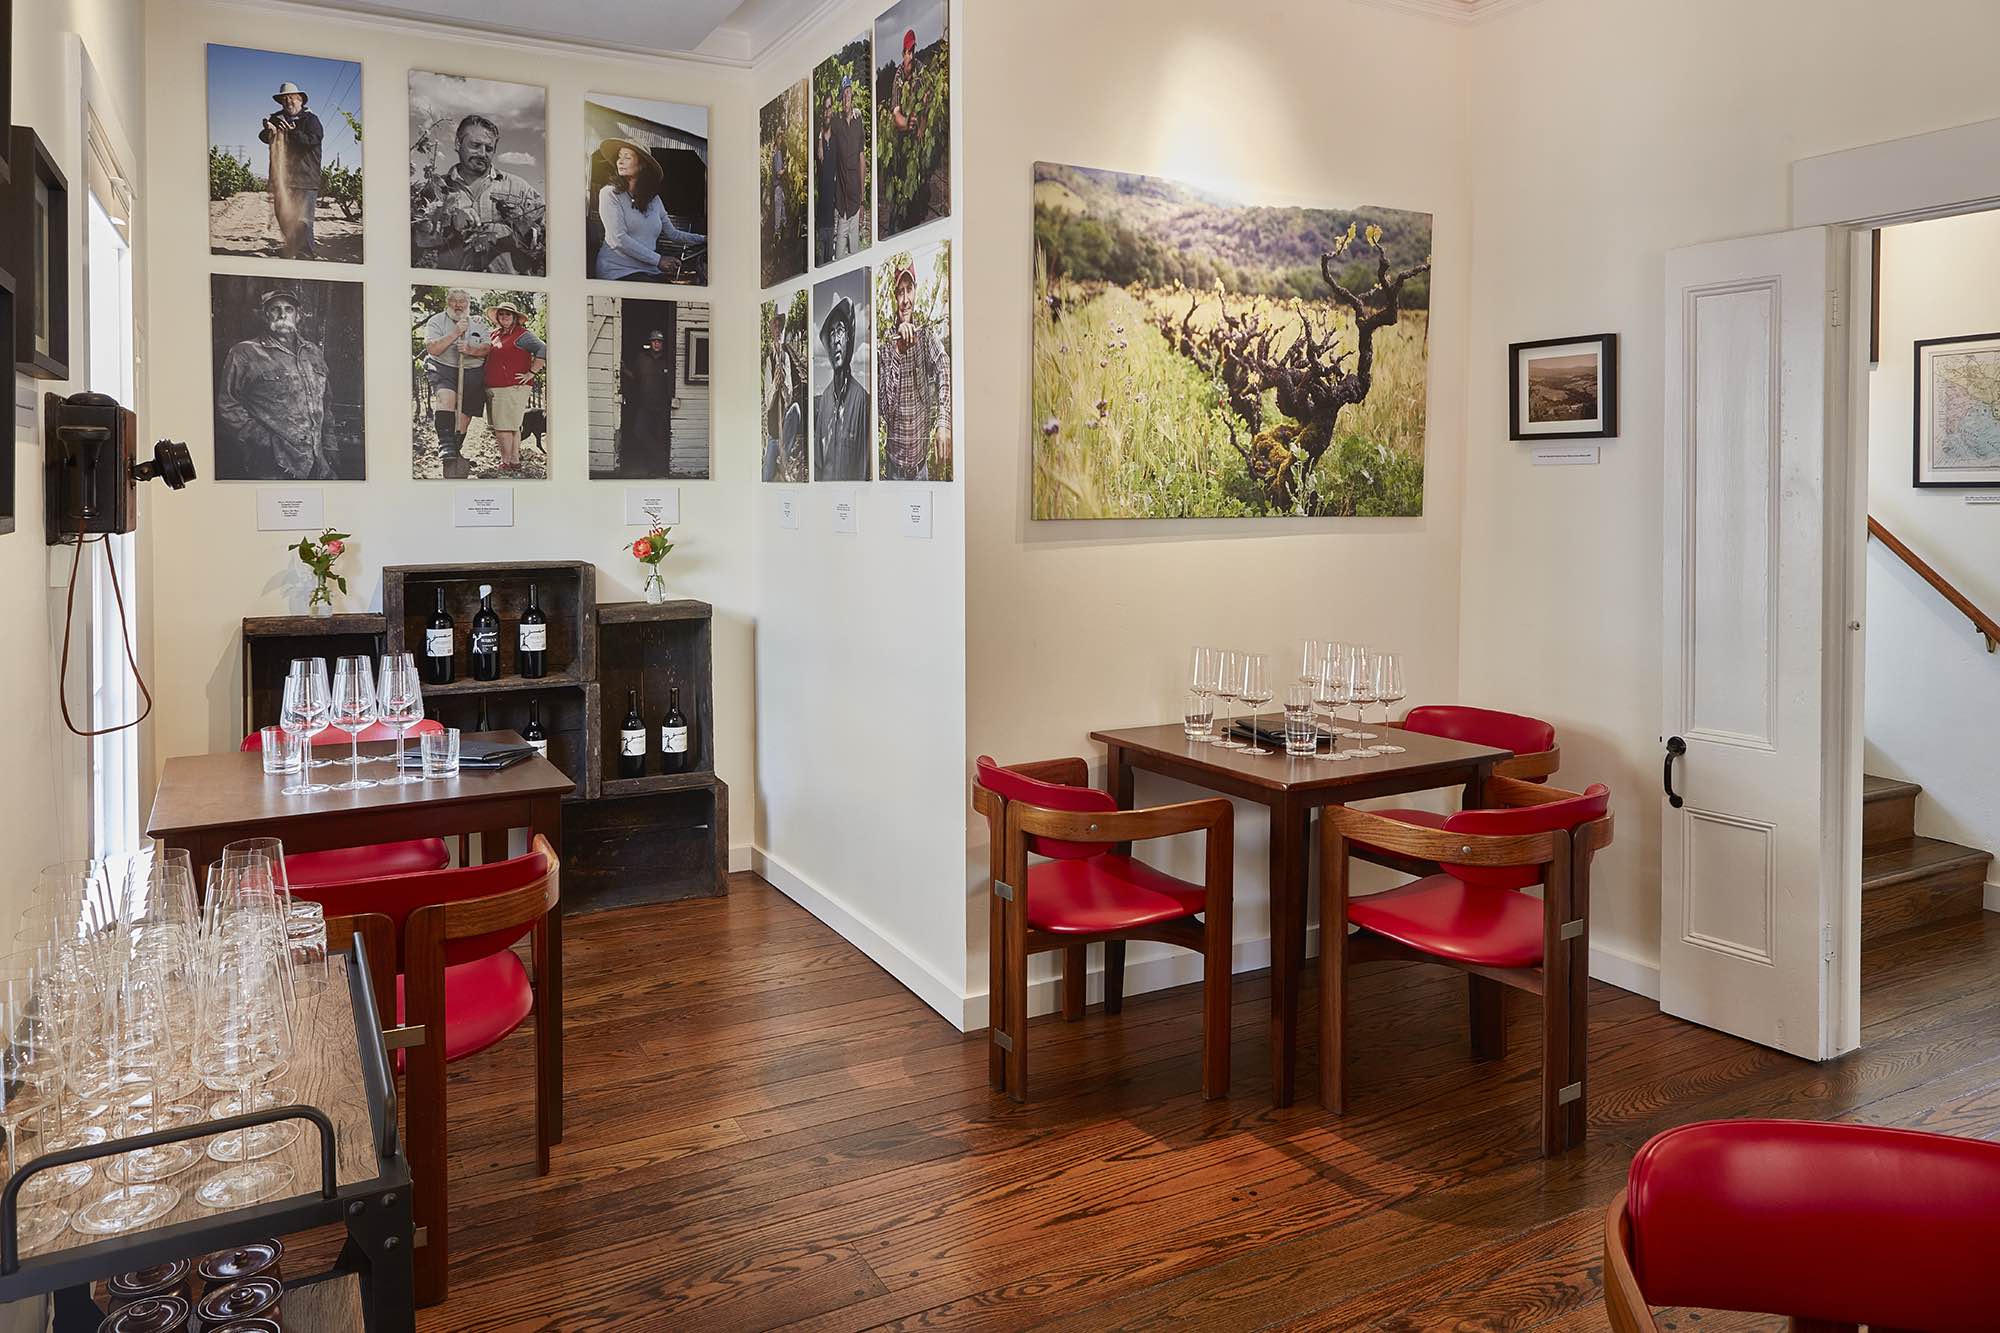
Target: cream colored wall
<point>1927,671</point>
<point>1606,132</point>
<point>212,567</point>
<point>1077,625</point>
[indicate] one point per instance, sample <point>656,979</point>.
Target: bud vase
<point>656,587</point>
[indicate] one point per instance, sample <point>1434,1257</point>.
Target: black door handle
<point>1676,747</point>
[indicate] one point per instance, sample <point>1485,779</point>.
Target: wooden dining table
<point>1292,787</point>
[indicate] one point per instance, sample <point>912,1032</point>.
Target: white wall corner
<point>741,858</point>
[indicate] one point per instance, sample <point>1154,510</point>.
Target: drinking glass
<point>304,714</point>
<point>1388,690</point>
<point>1361,693</point>
<point>1255,691</point>
<point>25,1088</point>
<point>1329,691</point>
<point>401,699</point>
<point>143,1055</point>
<point>281,749</point>
<point>243,1031</point>
<point>1197,716</point>
<point>1311,653</point>
<point>1301,728</point>
<point>1201,685</point>
<point>440,752</point>
<point>353,711</point>
<point>1228,680</point>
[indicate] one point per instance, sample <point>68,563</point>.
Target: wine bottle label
<point>437,643</point>
<point>534,638</point>
<point>485,641</point>
<point>673,740</point>
<point>541,748</point>
<point>632,743</point>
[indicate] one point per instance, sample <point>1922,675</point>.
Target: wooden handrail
<point>1989,629</point>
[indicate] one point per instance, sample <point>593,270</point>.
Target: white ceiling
<point>733,31</point>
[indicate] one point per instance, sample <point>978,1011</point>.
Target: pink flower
<point>334,548</point>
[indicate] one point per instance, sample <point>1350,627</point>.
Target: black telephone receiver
<point>91,476</point>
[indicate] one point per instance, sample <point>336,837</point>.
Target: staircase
<point>1907,882</point>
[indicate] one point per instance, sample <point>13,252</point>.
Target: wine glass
<point>243,1031</point>
<point>1388,690</point>
<point>304,714</point>
<point>401,698</point>
<point>25,1091</point>
<point>143,1057</point>
<point>1329,691</point>
<point>1255,691</point>
<point>1361,693</point>
<point>1311,653</point>
<point>353,711</point>
<point>1201,683</point>
<point>1228,680</point>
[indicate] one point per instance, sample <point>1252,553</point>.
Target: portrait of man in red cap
<point>913,115</point>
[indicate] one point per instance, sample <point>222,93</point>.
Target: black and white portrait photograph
<point>648,388</point>
<point>782,353</point>
<point>287,379</point>
<point>842,437</point>
<point>480,370</point>
<point>478,174</point>
<point>912,115</point>
<point>913,365</point>
<point>284,155</point>
<point>783,162</point>
<point>647,218</point>
<point>843,153</point>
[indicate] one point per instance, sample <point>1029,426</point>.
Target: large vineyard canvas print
<point>1197,357</point>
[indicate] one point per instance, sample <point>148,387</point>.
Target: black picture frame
<point>1917,414</point>
<point>1606,419</point>
<point>694,356</point>
<point>34,247</point>
<point>6,88</point>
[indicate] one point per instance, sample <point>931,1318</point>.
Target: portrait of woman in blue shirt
<point>641,243</point>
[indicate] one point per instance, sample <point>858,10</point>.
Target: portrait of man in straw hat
<point>284,155</point>
<point>840,420</point>
<point>647,215</point>
<point>287,379</point>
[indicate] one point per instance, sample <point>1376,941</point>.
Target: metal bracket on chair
<point>1568,1093</point>
<point>420,1237</point>
<point>1572,930</point>
<point>1003,890</point>
<point>1002,1040</point>
<point>402,1038</point>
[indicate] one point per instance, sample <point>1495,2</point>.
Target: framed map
<point>1958,411</point>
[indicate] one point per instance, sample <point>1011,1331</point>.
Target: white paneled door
<point>1749,871</point>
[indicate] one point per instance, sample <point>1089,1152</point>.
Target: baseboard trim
<point>1992,896</point>
<point>863,934</point>
<point>1616,968</point>
<point>1182,967</point>
<point>742,858</point>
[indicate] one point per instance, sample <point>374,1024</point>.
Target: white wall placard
<point>1989,498</point>
<point>846,509</point>
<point>788,512</point>
<point>290,509</point>
<point>647,505</point>
<point>914,509</point>
<point>482,507</point>
<point>1566,455</point>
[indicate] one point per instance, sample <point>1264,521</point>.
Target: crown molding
<point>1451,11</point>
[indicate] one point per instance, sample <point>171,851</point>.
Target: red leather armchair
<point>1089,889</point>
<point>307,869</point>
<point>1833,1225</point>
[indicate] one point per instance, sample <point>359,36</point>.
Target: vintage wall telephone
<point>90,489</point>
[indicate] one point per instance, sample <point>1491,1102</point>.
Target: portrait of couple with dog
<point>482,393</point>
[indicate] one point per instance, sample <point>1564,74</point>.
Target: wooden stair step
<point>1888,811</point>
<point>1920,882</point>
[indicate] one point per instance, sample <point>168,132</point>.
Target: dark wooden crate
<point>569,716</point>
<point>652,648</point>
<point>271,642</point>
<point>41,298</point>
<point>651,847</point>
<point>568,593</point>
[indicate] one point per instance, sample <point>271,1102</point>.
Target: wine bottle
<point>484,649</point>
<point>532,657</point>
<point>674,736</point>
<point>533,734</point>
<point>632,739</point>
<point>438,645</point>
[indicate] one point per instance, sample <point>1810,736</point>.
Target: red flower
<point>642,548</point>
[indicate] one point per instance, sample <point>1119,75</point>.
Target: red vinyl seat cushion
<point>1109,892</point>
<point>484,1000</point>
<point>312,869</point>
<point>1852,1224</point>
<point>1449,918</point>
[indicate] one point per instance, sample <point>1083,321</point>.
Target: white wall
<point>212,567</point>
<point>1607,132</point>
<point>861,638</point>
<point>1928,672</point>
<point>1079,625</point>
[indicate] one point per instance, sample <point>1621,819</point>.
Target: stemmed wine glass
<point>1228,680</point>
<point>1329,691</point>
<point>243,1031</point>
<point>400,692</point>
<point>1255,691</point>
<point>1388,690</point>
<point>1361,693</point>
<point>304,714</point>
<point>141,1057</point>
<point>30,1085</point>
<point>353,711</point>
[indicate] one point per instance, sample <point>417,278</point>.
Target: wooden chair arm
<point>467,917</point>
<point>1157,821</point>
<point>1624,1303</point>
<point>1508,792</point>
<point>1535,764</point>
<point>377,934</point>
<point>1070,771</point>
<point>1471,849</point>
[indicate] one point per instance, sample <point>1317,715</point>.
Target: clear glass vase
<point>656,587</point>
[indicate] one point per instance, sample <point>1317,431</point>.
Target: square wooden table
<point>1292,788</point>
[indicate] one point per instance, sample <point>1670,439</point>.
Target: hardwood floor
<point>764,1130</point>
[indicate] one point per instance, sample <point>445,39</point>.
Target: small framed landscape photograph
<point>1563,388</point>
<point>1958,411</point>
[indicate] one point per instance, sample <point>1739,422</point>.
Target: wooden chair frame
<point>425,935</point>
<point>1009,826</point>
<point>1562,979</point>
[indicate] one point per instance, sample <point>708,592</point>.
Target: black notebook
<point>477,754</point>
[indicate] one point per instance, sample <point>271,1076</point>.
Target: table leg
<point>1288,941</point>
<point>547,821</point>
